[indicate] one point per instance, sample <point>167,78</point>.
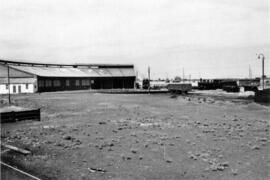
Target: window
<point>14,89</point>
<point>6,86</point>
<point>77,83</point>
<point>67,82</point>
<point>48,83</point>
<point>40,83</point>
<point>86,82</point>
<point>26,86</point>
<point>56,83</point>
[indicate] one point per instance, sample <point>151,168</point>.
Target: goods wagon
<point>249,84</point>
<point>230,86</point>
<point>210,84</point>
<point>179,88</point>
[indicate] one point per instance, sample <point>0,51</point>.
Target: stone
<point>220,156</point>
<point>126,157</point>
<point>263,139</point>
<point>192,156</point>
<point>256,147</point>
<point>134,151</point>
<point>146,145</point>
<point>225,164</point>
<point>67,137</point>
<point>114,131</point>
<point>59,144</point>
<point>168,159</point>
<point>220,168</point>
<point>234,172</point>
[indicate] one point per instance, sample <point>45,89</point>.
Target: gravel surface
<point>141,136</point>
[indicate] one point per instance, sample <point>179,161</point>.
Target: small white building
<point>18,85</point>
<point>20,82</point>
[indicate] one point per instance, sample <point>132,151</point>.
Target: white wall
<point>4,90</point>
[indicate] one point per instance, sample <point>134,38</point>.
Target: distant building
<point>30,78</point>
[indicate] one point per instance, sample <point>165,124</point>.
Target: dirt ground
<point>160,136</point>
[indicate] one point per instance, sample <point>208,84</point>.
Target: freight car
<point>179,88</point>
<point>210,84</point>
<point>230,86</point>
<point>249,84</point>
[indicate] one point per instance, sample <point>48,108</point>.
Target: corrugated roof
<point>127,72</point>
<point>12,72</point>
<point>76,72</point>
<point>115,72</point>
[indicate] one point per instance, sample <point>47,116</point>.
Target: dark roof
<point>20,63</point>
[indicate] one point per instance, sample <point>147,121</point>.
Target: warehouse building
<point>35,77</point>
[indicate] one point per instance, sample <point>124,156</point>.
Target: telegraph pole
<point>9,101</point>
<point>249,72</point>
<point>261,56</point>
<point>149,78</point>
<point>183,74</point>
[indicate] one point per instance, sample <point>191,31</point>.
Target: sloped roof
<point>75,72</point>
<point>12,73</point>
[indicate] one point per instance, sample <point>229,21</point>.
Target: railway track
<point>9,172</point>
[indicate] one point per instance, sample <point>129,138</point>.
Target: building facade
<point>30,78</point>
<point>18,85</point>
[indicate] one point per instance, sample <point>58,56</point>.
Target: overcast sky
<point>208,38</point>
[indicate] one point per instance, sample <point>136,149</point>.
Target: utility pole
<point>249,73</point>
<point>149,78</point>
<point>261,56</point>
<point>183,74</point>
<point>136,78</point>
<point>9,101</point>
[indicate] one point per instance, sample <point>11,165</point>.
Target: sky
<point>206,38</point>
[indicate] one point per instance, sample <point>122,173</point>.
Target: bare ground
<point>117,136</point>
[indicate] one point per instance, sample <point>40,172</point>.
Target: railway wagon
<point>179,88</point>
<point>210,84</point>
<point>249,84</point>
<point>230,86</point>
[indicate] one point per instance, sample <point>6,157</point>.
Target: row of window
<point>57,83</point>
<point>26,86</point>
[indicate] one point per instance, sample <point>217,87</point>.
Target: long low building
<point>33,77</point>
